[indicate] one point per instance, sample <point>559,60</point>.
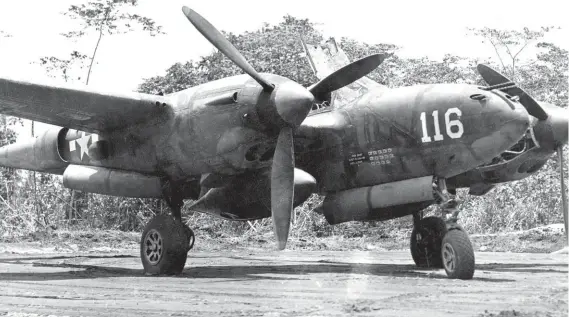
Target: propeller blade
<point>528,102</point>
<point>221,43</point>
<point>492,77</point>
<point>282,186</point>
<point>347,74</point>
<point>563,189</point>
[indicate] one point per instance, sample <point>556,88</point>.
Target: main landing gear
<point>166,240</point>
<point>440,243</point>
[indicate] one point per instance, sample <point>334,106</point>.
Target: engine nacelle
<point>248,196</point>
<point>41,154</point>
<point>379,202</point>
<point>105,181</point>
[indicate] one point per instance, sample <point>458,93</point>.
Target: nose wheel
<point>439,243</point>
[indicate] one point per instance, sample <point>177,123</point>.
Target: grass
<point>110,222</point>
<point>538,240</point>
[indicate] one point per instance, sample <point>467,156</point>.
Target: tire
<point>164,246</point>
<point>427,251</point>
<point>458,255</point>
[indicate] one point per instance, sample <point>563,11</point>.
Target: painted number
<point>449,124</point>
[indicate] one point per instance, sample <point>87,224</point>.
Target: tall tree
<point>508,45</point>
<point>544,73</point>
<point>108,17</point>
<point>101,17</point>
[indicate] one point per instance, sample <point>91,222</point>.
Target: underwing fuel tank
<point>379,202</point>
<point>105,181</point>
<point>41,154</point>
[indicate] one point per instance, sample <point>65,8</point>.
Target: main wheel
<point>458,255</point>
<point>426,241</point>
<point>164,246</point>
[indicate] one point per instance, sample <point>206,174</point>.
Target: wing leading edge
<point>78,107</point>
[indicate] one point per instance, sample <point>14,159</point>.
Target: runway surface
<point>288,283</point>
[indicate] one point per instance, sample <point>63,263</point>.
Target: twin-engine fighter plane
<point>250,147</point>
<point>547,133</point>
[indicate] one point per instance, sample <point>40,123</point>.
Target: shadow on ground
<point>298,270</point>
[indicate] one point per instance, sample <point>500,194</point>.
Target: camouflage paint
<point>380,138</point>
<point>219,128</point>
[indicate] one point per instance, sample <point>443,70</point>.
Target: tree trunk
<point>34,184</point>
<point>93,56</point>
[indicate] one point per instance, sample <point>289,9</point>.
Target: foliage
<point>64,68</point>
<point>509,44</point>
<point>108,17</point>
<point>273,49</point>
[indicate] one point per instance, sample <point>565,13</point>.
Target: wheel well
<point>454,226</point>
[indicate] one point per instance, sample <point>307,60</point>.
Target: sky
<point>422,28</point>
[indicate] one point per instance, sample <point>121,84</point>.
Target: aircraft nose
<point>515,119</point>
<point>553,131</point>
<point>503,123</point>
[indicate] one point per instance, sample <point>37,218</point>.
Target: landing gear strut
<point>440,242</point>
<point>166,240</point>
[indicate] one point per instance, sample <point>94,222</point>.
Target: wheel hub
<point>449,257</point>
<point>153,248</point>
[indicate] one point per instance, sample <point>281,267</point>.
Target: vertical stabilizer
<point>328,57</point>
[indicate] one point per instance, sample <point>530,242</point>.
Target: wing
<point>78,107</point>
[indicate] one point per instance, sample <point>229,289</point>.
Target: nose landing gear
<point>440,242</point>
<point>426,241</point>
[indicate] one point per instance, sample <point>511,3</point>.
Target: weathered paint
<point>378,139</point>
<point>381,137</point>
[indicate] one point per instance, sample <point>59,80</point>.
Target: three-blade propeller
<point>551,129</point>
<point>292,103</point>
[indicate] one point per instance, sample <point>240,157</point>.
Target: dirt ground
<point>269,283</point>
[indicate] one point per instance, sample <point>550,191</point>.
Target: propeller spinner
<point>292,102</point>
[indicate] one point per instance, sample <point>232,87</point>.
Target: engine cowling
<point>105,181</point>
<point>41,154</point>
<point>379,202</point>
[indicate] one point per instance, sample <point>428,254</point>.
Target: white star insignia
<point>83,145</point>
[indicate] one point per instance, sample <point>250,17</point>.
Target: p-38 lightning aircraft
<point>252,146</point>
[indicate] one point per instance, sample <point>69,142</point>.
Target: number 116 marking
<point>448,124</point>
